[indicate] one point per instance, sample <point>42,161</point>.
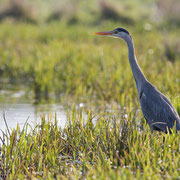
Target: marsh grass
<point>108,138</point>
<point>48,61</point>
<point>18,10</point>
<point>110,148</point>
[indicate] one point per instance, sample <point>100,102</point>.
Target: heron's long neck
<point>137,72</point>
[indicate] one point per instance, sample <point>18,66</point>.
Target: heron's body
<point>158,111</point>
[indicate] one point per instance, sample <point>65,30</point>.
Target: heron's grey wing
<point>157,109</point>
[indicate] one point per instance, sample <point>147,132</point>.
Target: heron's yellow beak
<point>104,33</point>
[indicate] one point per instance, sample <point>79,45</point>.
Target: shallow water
<point>18,106</point>
<point>18,113</point>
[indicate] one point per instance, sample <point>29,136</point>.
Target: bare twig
<point>6,123</point>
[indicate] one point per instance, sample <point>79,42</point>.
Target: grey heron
<point>158,111</point>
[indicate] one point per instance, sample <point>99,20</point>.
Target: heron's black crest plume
<point>122,30</point>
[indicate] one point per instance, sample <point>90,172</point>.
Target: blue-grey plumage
<point>158,111</point>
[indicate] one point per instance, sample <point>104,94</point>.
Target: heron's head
<point>116,33</point>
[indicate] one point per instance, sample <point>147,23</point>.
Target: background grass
<point>48,50</point>
<point>48,60</point>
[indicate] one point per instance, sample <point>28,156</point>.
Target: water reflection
<point>19,112</point>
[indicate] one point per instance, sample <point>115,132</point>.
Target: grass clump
<point>106,148</point>
<point>108,11</point>
<point>18,10</point>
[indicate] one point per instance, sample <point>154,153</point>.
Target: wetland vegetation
<point>53,57</point>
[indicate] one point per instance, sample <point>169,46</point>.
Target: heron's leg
<point>151,129</point>
<point>164,139</point>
